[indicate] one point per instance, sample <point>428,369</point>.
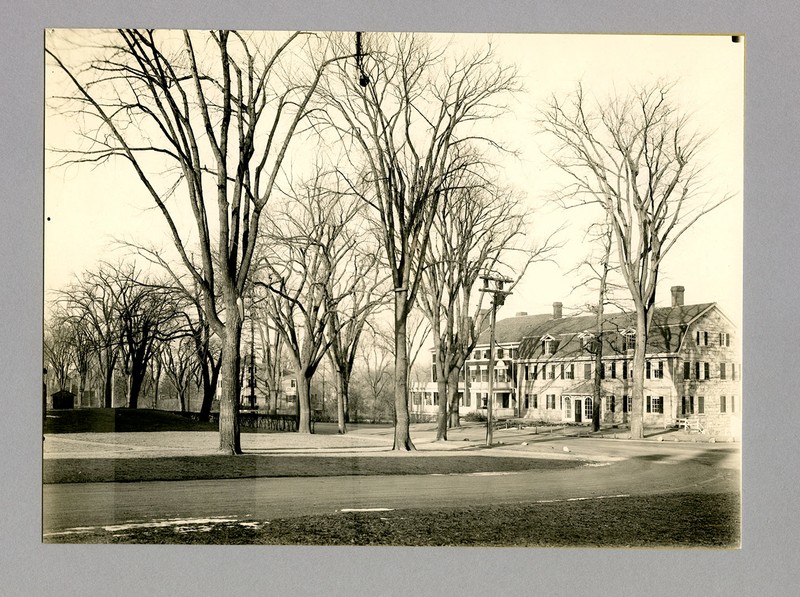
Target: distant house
<point>544,366</point>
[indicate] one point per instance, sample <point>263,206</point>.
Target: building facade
<point>544,368</point>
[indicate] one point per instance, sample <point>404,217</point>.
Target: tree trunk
<point>304,404</point>
<point>402,427</point>
<point>229,441</point>
<point>135,385</point>
<point>452,385</point>
<point>108,388</point>
<point>441,415</point>
<point>637,396</point>
<point>341,401</point>
<point>467,390</point>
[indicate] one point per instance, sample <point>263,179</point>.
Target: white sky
<point>87,208</point>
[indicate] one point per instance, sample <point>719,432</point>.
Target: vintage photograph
<point>392,288</point>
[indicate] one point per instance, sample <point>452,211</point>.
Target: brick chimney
<point>557,310</point>
<point>677,296</point>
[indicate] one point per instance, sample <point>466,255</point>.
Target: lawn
<point>184,468</point>
<point>677,520</point>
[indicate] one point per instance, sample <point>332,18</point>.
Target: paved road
<point>621,468</point>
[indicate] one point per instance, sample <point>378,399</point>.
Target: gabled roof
<point>667,330</point>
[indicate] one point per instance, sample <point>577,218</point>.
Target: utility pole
<point>252,352</point>
<point>493,284</point>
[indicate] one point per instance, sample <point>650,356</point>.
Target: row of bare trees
<point>115,318</point>
<point>406,204</point>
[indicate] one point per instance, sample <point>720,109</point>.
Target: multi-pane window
<point>551,401</point>
<point>587,408</point>
<point>655,404</point>
<point>626,404</point>
<point>628,341</point>
<point>500,353</point>
<point>724,339</point>
<point>500,375</point>
<point>567,408</point>
<point>535,400</point>
<point>549,346</point>
<point>552,371</point>
<point>587,371</point>
<point>687,405</point>
<point>571,371</point>
<point>722,404</point>
<point>660,370</point>
<point>484,375</point>
<point>706,371</point>
<point>654,371</point>
<point>701,338</point>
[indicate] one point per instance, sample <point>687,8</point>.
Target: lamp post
<point>493,284</point>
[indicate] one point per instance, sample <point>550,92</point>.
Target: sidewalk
<point>537,442</point>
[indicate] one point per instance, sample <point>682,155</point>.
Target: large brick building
<point>544,369</point>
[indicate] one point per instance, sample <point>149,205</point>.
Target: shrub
<point>475,417</point>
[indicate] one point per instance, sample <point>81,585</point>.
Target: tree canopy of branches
<point>314,273</point>
<point>478,228</point>
<point>407,131</point>
<point>116,316</point>
<point>636,157</point>
<point>205,121</point>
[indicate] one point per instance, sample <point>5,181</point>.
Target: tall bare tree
<point>635,156</point>
<point>205,121</point>
<point>407,122</point>
<point>478,227</point>
<point>308,255</point>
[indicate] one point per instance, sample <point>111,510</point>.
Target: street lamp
<point>493,284</point>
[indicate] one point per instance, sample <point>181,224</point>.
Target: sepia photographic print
<point>396,289</point>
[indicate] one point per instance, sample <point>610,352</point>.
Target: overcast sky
<point>87,208</point>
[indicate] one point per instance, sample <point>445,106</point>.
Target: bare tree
<point>478,227</point>
<point>194,322</point>
<point>59,350</point>
<point>410,118</point>
<point>90,305</point>
<point>205,121</point>
<point>148,313</point>
<point>308,259</point>
<point>636,157</point>
<point>363,295</point>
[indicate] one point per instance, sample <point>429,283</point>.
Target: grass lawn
<point>676,520</point>
<point>184,468</point>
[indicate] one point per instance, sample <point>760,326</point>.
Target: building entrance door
<point>578,411</point>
